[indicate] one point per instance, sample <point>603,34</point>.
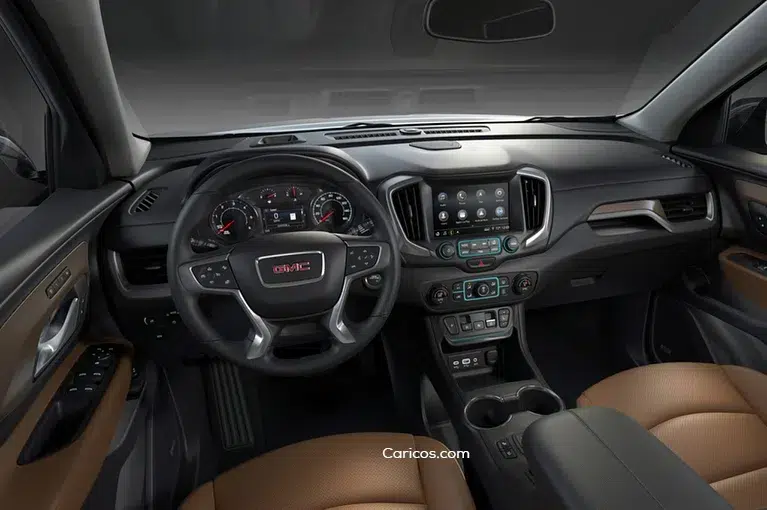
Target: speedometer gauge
<point>332,210</point>
<point>233,220</point>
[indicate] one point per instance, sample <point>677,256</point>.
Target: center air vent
<point>534,202</point>
<point>406,202</point>
<point>685,207</point>
<point>146,201</point>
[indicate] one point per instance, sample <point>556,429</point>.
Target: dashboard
<point>286,206</point>
<point>485,219</point>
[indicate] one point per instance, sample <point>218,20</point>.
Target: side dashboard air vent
<point>363,135</point>
<point>685,207</point>
<point>676,161</point>
<point>407,206</point>
<point>456,131</point>
<point>534,202</point>
<point>146,200</point>
<point>145,267</point>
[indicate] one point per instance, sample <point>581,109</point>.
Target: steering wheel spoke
<point>213,275</point>
<point>363,258</point>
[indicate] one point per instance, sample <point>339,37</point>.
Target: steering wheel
<point>284,278</point>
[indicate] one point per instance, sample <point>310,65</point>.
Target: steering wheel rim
<point>245,263</point>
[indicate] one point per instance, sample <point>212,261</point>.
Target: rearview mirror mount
<point>489,21</point>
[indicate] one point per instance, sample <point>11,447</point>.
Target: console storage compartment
<point>599,458</point>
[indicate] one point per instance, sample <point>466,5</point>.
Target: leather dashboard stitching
<point>660,505</point>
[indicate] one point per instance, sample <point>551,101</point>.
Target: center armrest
<point>595,458</point>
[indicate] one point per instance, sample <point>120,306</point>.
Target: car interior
<point>372,297</point>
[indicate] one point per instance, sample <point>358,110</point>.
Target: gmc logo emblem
<point>296,267</point>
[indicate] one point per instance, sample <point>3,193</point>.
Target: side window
<point>747,121</point>
<point>23,177</point>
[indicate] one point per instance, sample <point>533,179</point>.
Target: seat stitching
<point>596,436</point>
<point>420,476</point>
<point>700,412</point>
<point>737,389</point>
<point>739,474</point>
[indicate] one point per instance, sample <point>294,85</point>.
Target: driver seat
<point>343,472</point>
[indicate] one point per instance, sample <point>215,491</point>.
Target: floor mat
<point>574,346</point>
<point>355,397</point>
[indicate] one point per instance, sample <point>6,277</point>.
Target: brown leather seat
<point>344,472</point>
<point>714,417</point>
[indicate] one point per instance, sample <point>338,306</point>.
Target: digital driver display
<point>283,220</point>
<point>471,209</point>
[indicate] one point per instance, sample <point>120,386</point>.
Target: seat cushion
<point>714,417</point>
<point>344,472</point>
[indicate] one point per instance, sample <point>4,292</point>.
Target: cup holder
<point>490,411</point>
<point>539,400</point>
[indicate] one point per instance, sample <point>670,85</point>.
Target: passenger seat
<point>713,417</point>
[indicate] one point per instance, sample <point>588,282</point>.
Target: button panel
<point>479,247</point>
<point>500,289</point>
<point>216,275</point>
<point>359,258</point>
<point>476,327</point>
<point>58,282</point>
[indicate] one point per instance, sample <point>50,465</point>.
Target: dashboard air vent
<point>685,207</point>
<point>145,267</point>
<point>534,202</point>
<point>407,207</point>
<point>146,201</point>
<point>362,135</point>
<point>456,130</point>
<point>676,161</point>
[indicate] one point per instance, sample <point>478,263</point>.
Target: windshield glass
<point>205,66</point>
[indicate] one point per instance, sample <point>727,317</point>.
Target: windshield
<point>191,67</point>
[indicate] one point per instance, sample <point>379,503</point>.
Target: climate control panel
<point>463,293</point>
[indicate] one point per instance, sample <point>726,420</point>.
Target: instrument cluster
<point>287,207</point>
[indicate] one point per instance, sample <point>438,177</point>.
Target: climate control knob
<point>522,285</point>
<point>482,289</point>
<point>438,295</point>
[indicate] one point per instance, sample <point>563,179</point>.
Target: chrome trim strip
<point>290,284</point>
<point>541,235</point>
<point>647,208</point>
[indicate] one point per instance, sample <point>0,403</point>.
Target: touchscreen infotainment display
<point>470,209</point>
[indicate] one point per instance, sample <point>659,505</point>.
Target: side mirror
<point>747,124</point>
<point>15,160</point>
<point>489,21</point>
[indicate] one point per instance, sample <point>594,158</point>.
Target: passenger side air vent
<point>407,206</point>
<point>145,267</point>
<point>534,202</point>
<point>146,201</point>
<point>363,135</point>
<point>685,207</point>
<point>456,131</point>
<point>676,161</point>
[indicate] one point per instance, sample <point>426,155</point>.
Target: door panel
<point>745,273</point>
<point>63,479</point>
<point>21,333</point>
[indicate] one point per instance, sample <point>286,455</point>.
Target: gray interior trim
<point>129,290</point>
<point>79,34</point>
<point>737,54</point>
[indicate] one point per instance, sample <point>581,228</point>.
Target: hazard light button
<point>481,263</point>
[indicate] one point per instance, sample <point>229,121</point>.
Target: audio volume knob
<point>438,295</point>
<point>522,285</point>
<point>482,289</point>
<point>511,244</point>
<point>446,251</point>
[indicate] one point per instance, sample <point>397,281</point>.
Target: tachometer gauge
<point>332,211</point>
<point>233,220</point>
<point>295,192</point>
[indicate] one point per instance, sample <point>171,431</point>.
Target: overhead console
<point>474,224</point>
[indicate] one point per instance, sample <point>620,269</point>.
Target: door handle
<point>56,334</point>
